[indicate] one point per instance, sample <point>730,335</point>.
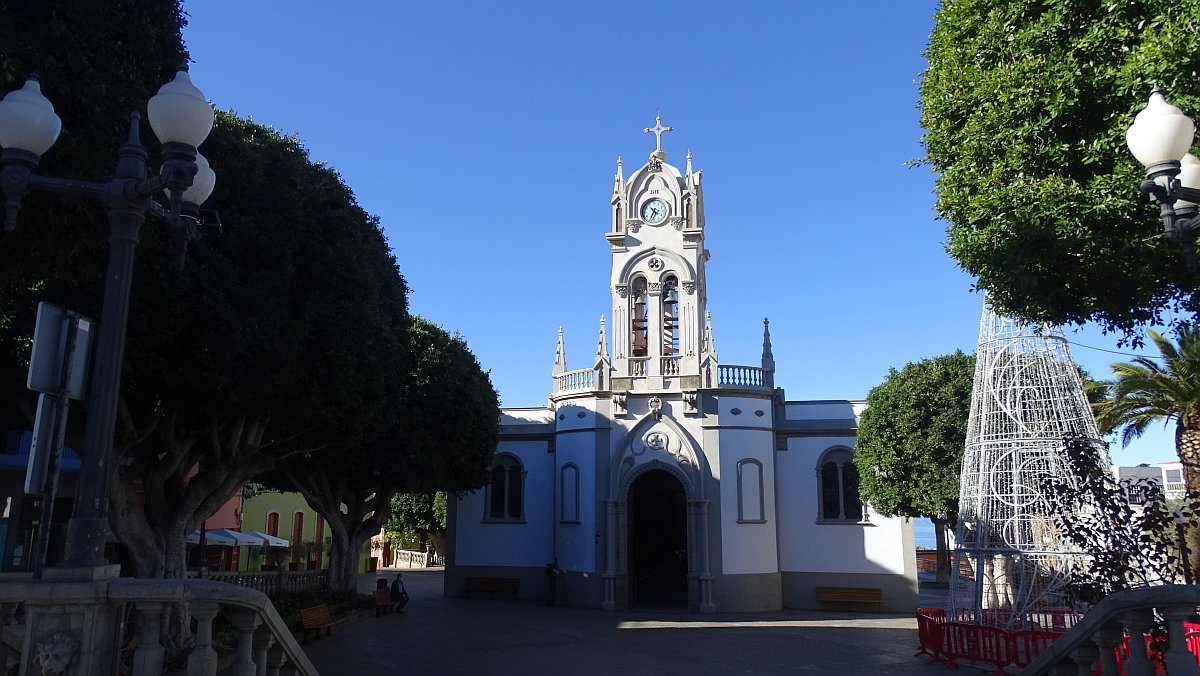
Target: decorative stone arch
<point>680,447</point>
<point>666,179</point>
<point>657,443</point>
<point>639,263</point>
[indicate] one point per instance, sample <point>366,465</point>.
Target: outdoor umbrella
<point>267,540</point>
<point>211,537</point>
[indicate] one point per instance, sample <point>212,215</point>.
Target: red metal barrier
<point>979,643</point>
<point>1028,644</point>
<point>931,633</point>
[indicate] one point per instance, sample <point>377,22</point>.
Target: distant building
<point>659,476</point>
<point>1168,476</point>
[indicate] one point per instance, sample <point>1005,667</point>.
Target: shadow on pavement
<point>460,636</point>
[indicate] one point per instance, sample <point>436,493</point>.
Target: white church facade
<point>659,476</point>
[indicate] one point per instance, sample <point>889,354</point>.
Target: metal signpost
<point>57,369</point>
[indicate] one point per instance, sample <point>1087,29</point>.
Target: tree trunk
<point>343,559</point>
<point>943,551</point>
<point>439,541</point>
<point>1187,445</point>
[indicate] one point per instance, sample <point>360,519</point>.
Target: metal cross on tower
<point>658,130</point>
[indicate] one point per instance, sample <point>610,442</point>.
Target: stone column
<point>610,551</point>
<point>706,598</point>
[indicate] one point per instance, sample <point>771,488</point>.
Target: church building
<point>660,476</point>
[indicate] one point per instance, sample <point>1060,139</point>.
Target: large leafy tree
<point>97,63</point>
<point>419,515</point>
<point>442,439</point>
<point>284,334</point>
<point>1025,103</point>
<point>910,442</point>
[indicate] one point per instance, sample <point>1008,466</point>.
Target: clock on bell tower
<point>660,328</point>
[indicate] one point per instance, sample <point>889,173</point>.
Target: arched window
<point>840,500</point>
<point>569,494</point>
<point>273,524</point>
<point>506,490</point>
<point>297,537</point>
<point>750,492</point>
<point>638,319</point>
<point>670,309</point>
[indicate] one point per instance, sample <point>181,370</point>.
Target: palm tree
<point>1144,391</point>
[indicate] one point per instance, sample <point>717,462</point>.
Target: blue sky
<point>485,136</point>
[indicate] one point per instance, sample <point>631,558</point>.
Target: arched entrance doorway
<point>657,545</point>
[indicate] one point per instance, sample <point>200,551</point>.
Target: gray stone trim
<point>816,425</point>
<point>527,431</point>
<point>850,434</point>
<point>804,402</point>
<point>747,593</point>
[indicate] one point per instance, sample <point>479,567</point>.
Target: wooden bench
<point>383,601</point>
<point>491,587</point>
<point>316,618</point>
<point>850,596</point>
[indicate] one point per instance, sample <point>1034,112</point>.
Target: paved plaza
<point>438,635</point>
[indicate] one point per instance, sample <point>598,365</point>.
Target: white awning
<point>267,540</point>
<point>239,538</point>
<point>212,537</point>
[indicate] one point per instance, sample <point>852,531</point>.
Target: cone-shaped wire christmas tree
<point>1010,562</point>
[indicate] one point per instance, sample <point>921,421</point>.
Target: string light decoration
<point>1010,564</point>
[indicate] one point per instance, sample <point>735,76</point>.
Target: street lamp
<point>181,119</point>
<point>1161,138</point>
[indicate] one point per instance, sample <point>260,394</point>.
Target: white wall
<point>805,545</point>
<point>576,541</point>
<point>747,547</point>
<point>479,542</point>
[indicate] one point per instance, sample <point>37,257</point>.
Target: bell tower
<point>660,334</point>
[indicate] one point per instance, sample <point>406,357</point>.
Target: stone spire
<point>688,174</point>
<point>619,179</point>
<point>768,358</point>
<point>710,347</point>
<point>602,347</point>
<point>560,358</point>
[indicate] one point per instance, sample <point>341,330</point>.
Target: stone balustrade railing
<point>272,583</point>
<point>407,558</point>
<point>265,644</point>
<point>1128,613</point>
<point>669,366</point>
<point>638,366</point>
<point>582,379</point>
<point>741,376</point>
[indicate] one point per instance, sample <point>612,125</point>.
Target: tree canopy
<point>911,438</point>
<point>97,63</point>
<point>284,331</point>
<point>283,334</point>
<point>1026,103</point>
<point>442,438</point>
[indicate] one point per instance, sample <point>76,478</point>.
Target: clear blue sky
<point>485,136</point>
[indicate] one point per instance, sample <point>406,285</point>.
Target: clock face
<point>654,211</point>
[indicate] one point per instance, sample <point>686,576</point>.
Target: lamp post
<point>181,119</point>
<point>1161,138</point>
